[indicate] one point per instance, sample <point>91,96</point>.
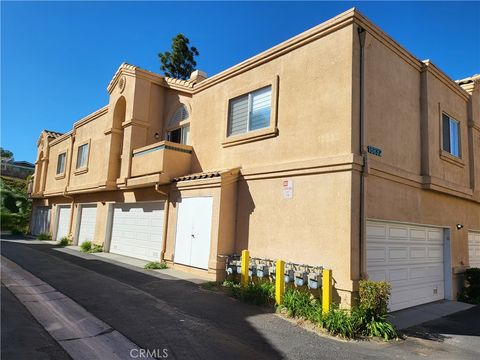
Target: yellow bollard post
<point>279,281</point>
<point>245,263</point>
<point>326,290</point>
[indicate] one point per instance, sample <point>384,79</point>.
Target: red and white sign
<point>287,188</point>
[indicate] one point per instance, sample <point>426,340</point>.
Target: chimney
<point>198,76</point>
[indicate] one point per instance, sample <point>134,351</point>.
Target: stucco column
<point>134,137</point>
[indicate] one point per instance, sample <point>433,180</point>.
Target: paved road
<point>167,313</point>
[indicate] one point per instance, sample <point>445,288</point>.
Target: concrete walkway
<point>136,264</point>
<point>417,315</point>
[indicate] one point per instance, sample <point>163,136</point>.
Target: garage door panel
<point>474,249</point>
<point>88,221</point>
<point>398,232</point>
<point>137,230</point>
<point>413,263</point>
<point>63,221</point>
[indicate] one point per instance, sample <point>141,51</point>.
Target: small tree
<point>180,62</point>
<point>4,153</point>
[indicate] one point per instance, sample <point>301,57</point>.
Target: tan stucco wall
<point>313,139</point>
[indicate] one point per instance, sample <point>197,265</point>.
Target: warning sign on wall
<point>287,188</point>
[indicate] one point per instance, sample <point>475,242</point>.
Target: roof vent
<point>197,76</point>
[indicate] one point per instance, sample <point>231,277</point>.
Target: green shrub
<point>258,294</point>
<point>44,236</point>
<point>86,246</point>
<point>471,288</point>
<point>303,304</point>
<point>96,249</point>
<point>64,241</point>
<point>344,323</point>
<point>156,265</point>
<point>380,327</point>
<point>374,297</point>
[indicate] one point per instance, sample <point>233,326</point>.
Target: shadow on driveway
<point>154,313</point>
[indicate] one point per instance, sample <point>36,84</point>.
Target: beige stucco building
<point>335,148</point>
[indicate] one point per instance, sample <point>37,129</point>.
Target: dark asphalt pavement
<point>167,313</point>
<point>22,337</point>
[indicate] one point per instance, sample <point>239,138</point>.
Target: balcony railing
<point>166,158</point>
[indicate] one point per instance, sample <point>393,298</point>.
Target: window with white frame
<point>250,112</point>
<point>179,127</point>
<point>82,156</point>
<point>451,135</point>
<point>61,163</point>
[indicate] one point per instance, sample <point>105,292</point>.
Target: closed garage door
<point>194,224</point>
<point>474,249</point>
<point>137,230</point>
<point>88,219</point>
<point>41,219</point>
<point>63,220</point>
<point>410,258</point>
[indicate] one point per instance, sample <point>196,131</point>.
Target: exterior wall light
<point>459,226</point>
<point>157,135</point>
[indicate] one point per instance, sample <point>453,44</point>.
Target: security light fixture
<point>157,135</point>
<point>459,226</point>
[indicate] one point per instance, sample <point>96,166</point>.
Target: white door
<point>410,258</point>
<point>63,220</point>
<point>88,219</point>
<point>474,249</point>
<point>41,219</point>
<point>137,230</point>
<point>194,224</point>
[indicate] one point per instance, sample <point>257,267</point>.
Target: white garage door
<point>194,224</point>
<point>41,219</point>
<point>410,257</point>
<point>474,249</point>
<point>137,230</point>
<point>88,219</point>
<point>63,220</point>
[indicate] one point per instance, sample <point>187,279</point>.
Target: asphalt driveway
<point>165,312</point>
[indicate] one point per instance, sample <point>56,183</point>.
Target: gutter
<point>165,221</point>
<point>363,153</point>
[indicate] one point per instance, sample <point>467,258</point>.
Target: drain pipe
<point>65,193</point>
<point>165,221</point>
<point>364,171</point>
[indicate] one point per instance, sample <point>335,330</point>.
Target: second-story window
<point>250,112</point>
<point>451,135</point>
<point>179,126</point>
<point>82,156</point>
<point>61,163</point>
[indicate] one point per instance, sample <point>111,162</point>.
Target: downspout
<point>65,193</point>
<point>364,171</point>
<point>165,222</point>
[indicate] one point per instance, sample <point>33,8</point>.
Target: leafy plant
<point>86,246</point>
<point>303,304</point>
<point>341,322</point>
<point>258,294</point>
<point>96,249</point>
<point>156,265</point>
<point>380,327</point>
<point>470,292</point>
<point>64,241</point>
<point>374,297</point>
<point>44,236</point>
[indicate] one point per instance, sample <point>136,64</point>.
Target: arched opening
<point>178,127</point>
<point>117,137</point>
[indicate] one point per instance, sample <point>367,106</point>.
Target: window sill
<point>82,170</point>
<point>250,136</point>
<point>446,156</point>
<point>59,176</point>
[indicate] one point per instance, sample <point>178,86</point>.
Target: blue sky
<point>58,57</point>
